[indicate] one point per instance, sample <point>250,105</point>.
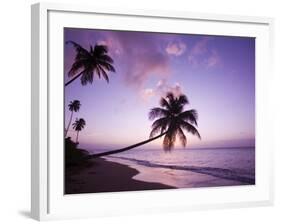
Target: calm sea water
<point>192,167</point>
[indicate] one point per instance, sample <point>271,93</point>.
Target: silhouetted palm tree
<point>73,106</point>
<point>172,122</point>
<point>96,60</point>
<point>78,125</point>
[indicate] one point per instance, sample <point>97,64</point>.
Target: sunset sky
<point>217,74</point>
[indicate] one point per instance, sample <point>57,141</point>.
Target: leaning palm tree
<point>171,123</point>
<point>78,125</point>
<point>73,106</point>
<point>88,62</point>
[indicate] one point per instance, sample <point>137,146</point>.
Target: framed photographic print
<point>143,111</point>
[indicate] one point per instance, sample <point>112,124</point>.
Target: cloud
<point>176,48</point>
<point>113,46</point>
<point>141,57</point>
<point>177,89</point>
<point>146,94</point>
<point>163,87</point>
<point>193,60</point>
<point>138,56</point>
<point>201,46</point>
<point>160,90</point>
<point>142,66</point>
<point>213,59</point>
<point>202,55</point>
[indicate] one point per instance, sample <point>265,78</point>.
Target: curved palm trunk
<point>69,124</point>
<point>126,148</point>
<point>70,81</point>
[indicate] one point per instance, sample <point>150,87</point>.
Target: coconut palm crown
<point>173,120</point>
<point>93,61</point>
<point>78,125</point>
<point>74,105</point>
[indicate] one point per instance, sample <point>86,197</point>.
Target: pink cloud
<point>177,89</point>
<point>142,66</point>
<point>192,60</point>
<point>146,94</point>
<point>142,57</point>
<point>201,46</point>
<point>160,90</point>
<point>163,87</point>
<point>213,59</point>
<point>113,45</point>
<point>137,56</point>
<point>202,55</point>
<point>176,48</point>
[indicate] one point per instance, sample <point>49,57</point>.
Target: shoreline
<point>100,176</point>
<point>182,178</point>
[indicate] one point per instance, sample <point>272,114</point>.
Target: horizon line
<point>200,148</point>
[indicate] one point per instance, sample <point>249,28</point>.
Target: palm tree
<point>96,60</point>
<point>171,123</point>
<point>78,125</point>
<point>73,106</point>
<point>173,120</point>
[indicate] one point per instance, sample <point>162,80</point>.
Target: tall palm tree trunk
<point>126,148</point>
<point>69,124</point>
<point>70,81</point>
<point>77,137</point>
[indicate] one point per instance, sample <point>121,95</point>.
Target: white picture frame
<point>48,201</point>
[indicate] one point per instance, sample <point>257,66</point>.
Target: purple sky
<point>217,74</point>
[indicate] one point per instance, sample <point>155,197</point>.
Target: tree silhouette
<point>78,125</point>
<point>90,62</point>
<point>73,106</point>
<point>171,123</point>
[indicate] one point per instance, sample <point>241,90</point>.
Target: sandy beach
<point>100,175</point>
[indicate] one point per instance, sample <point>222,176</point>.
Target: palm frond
<point>182,137</point>
<point>158,112</point>
<point>100,49</point>
<point>79,49</point>
<point>87,76</point>
<point>190,128</point>
<point>189,116</point>
<point>97,69</point>
<point>76,66</point>
<point>170,96</point>
<point>107,66</point>
<point>154,131</point>
<point>182,100</point>
<point>104,74</point>
<point>165,103</point>
<point>159,125</point>
<point>106,58</point>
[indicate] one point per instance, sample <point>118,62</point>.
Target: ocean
<point>188,168</point>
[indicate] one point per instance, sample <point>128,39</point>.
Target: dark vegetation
<point>73,155</point>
